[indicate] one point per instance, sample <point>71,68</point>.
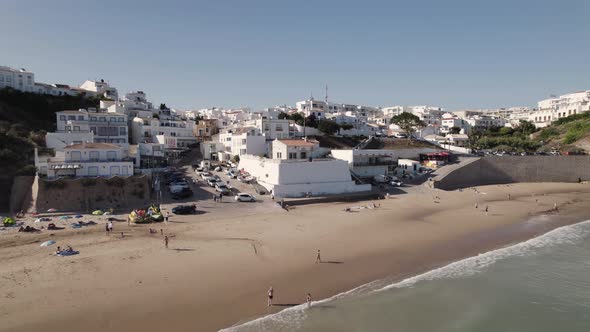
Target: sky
<point>454,54</point>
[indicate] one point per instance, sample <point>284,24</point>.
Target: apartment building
<point>18,79</point>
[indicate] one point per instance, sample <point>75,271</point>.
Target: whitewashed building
<point>367,163</point>
<point>100,88</point>
<point>86,160</point>
<point>18,79</point>
<point>301,177</point>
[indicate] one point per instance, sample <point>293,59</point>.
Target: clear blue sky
<point>455,54</point>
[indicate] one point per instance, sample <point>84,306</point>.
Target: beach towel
<point>68,253</point>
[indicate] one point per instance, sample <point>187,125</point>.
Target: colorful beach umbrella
<point>47,243</point>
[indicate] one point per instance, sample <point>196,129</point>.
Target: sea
<point>542,284</point>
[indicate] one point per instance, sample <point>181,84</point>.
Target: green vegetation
<point>328,127</point>
<point>564,134</point>
<point>408,122</point>
<point>25,118</point>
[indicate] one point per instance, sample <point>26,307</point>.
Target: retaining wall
<point>89,194</point>
<point>511,169</point>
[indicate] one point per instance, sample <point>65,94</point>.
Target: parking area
<point>203,194</point>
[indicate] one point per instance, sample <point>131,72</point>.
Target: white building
<point>450,120</point>
<point>105,127</point>
<point>145,130</point>
<point>313,107</point>
<point>18,79</point>
<point>559,107</point>
<point>101,88</point>
<point>368,163</point>
<point>240,141</point>
<point>86,160</point>
<point>301,177</point>
<point>294,148</point>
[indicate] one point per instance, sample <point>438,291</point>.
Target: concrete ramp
<point>513,169</point>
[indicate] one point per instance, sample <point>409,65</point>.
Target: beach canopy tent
<point>8,221</point>
<point>47,243</point>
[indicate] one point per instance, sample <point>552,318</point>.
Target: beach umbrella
<point>47,243</point>
<point>97,213</point>
<point>52,210</point>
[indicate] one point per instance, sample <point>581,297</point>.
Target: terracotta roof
<point>298,142</point>
<point>93,146</point>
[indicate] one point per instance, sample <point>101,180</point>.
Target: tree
<point>236,159</point>
<point>163,107</point>
<point>526,127</point>
<point>328,127</point>
<point>297,118</point>
<point>311,121</point>
<point>346,126</point>
<point>408,122</point>
<point>455,130</point>
<point>283,116</point>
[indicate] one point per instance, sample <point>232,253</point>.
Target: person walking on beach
<point>308,300</point>
<point>509,196</point>
<point>220,197</point>
<point>270,296</point>
<point>110,225</point>
<point>318,258</point>
<point>166,241</point>
<point>487,210</point>
<point>167,216</point>
<point>476,206</point>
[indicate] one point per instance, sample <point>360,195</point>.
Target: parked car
<point>184,209</point>
<point>244,197</point>
<point>245,179</point>
<point>206,176</point>
<point>222,188</point>
<point>396,183</point>
<point>182,193</point>
<point>212,182</point>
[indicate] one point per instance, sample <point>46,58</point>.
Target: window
<point>112,119</point>
<point>124,170</point>
<point>71,117</point>
<point>292,155</point>
<point>121,119</point>
<point>103,119</point>
<point>92,118</point>
<point>115,170</point>
<point>111,155</point>
<point>62,117</point>
<point>243,141</point>
<point>75,156</point>
<point>93,171</point>
<point>303,154</point>
<point>94,156</point>
<point>76,128</point>
<point>279,155</point>
<point>80,117</point>
<point>1,78</point>
<point>93,130</point>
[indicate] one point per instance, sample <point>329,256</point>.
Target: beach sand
<point>220,264</point>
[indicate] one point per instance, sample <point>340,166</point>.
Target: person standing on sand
<point>106,227</point>
<point>270,296</point>
<point>486,210</point>
<point>308,300</point>
<point>110,224</point>
<point>509,196</point>
<point>476,206</point>
<point>318,258</point>
<point>220,197</point>
<point>167,215</point>
<point>166,241</point>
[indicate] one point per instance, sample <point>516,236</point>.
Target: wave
<point>292,317</point>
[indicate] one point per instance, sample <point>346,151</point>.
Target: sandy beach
<point>220,263</point>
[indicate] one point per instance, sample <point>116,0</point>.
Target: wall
<point>510,169</point>
<point>92,193</point>
<point>21,192</point>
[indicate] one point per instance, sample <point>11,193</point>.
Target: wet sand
<point>220,264</point>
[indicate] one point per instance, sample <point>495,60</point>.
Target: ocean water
<point>539,285</point>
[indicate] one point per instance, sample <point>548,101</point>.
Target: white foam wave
<point>292,317</point>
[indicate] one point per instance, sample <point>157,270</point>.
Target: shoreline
<point>224,281</point>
